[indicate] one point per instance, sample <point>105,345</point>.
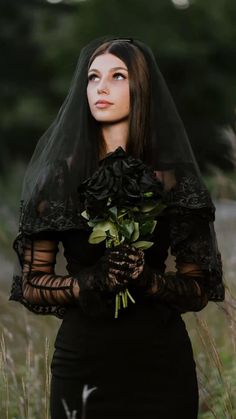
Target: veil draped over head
<point>68,153</point>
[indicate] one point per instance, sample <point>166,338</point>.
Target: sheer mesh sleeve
<point>40,283</point>
<point>198,277</point>
<point>92,288</point>
<point>184,290</point>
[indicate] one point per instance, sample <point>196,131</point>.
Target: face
<point>108,89</point>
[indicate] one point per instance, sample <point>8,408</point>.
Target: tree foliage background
<point>194,47</point>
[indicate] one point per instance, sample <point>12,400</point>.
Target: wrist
<point>150,282</point>
<point>145,280</point>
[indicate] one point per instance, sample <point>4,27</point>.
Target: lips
<point>103,102</point>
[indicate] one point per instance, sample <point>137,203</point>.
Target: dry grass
<point>26,346</point>
<point>213,336</point>
<point>25,353</point>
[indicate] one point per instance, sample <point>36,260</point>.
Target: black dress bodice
<point>139,319</point>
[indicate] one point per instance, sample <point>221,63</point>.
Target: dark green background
<point>194,47</point>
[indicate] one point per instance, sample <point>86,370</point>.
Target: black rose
<point>121,180</point>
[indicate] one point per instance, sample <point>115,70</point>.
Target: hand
<point>113,271</point>
<point>111,274</point>
<point>126,263</point>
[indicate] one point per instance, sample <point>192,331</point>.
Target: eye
<point>92,77</point>
<point>118,75</point>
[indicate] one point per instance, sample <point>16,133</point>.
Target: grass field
<point>27,340</point>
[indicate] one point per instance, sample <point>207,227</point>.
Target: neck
<point>115,135</point>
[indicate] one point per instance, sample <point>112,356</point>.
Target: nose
<point>102,87</point>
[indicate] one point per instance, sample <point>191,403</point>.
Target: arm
<point>198,276</point>
<point>183,290</point>
<point>40,283</point>
<point>191,237</point>
<point>92,288</point>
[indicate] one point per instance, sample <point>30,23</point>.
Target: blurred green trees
<point>194,47</point>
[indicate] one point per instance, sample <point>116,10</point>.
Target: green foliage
<point>222,185</point>
<point>117,226</point>
<point>194,48</point>
<point>10,186</point>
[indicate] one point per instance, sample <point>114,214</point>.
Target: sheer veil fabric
<point>68,153</point>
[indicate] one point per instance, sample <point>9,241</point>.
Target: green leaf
<point>85,215</point>
<point>91,223</point>
<point>158,208</point>
<point>113,230</point>
<point>154,222</point>
<point>154,209</point>
<point>97,236</point>
<point>103,226</point>
<point>127,228</point>
<point>135,234</point>
<point>147,227</point>
<point>115,241</point>
<point>148,194</point>
<point>147,207</point>
<point>122,213</point>
<point>142,245</point>
<point>113,212</point>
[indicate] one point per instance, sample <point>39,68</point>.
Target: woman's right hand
<point>110,274</point>
<point>113,271</point>
<point>125,263</point>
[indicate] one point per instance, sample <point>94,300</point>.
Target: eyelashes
<point>92,76</point>
<point>120,74</point>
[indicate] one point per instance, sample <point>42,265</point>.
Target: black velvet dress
<point>137,366</point>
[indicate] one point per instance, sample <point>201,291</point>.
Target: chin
<point>110,119</point>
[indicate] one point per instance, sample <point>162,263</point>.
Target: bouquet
<point>121,200</point>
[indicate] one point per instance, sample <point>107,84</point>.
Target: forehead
<point>106,61</point>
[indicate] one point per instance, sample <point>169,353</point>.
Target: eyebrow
<point>112,69</point>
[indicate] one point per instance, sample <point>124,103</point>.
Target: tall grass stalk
<point>24,388</point>
<point>213,356</point>
<point>47,378</point>
<point>213,337</point>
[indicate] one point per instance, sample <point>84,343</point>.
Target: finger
<point>120,265</point>
<point>127,262</point>
<point>125,248</point>
<point>126,267</point>
<point>116,279</point>
<point>117,256</point>
<point>136,275</point>
<point>120,275</point>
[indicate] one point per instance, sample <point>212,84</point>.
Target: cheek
<point>122,96</point>
<point>126,98</point>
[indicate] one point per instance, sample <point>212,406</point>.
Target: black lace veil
<point>68,153</point>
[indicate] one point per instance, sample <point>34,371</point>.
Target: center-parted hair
<point>138,74</point>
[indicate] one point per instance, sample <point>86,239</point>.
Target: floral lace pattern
<point>193,240</point>
<point>190,213</point>
<point>190,193</point>
<point>54,218</point>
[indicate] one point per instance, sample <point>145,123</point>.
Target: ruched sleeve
<point>40,283</point>
<point>191,239</point>
<point>92,288</point>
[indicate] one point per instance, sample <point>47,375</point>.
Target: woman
<point>140,365</point>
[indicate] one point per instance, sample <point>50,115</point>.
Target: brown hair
<point>139,123</point>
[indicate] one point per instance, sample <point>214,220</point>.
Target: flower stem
<point>122,296</point>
